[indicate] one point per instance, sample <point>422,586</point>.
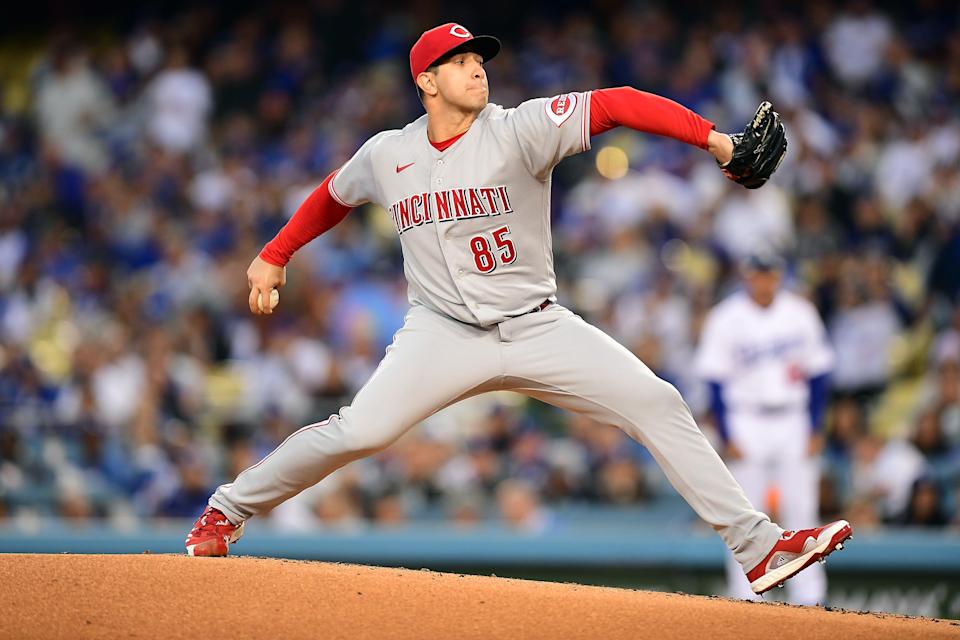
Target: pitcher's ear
<point>426,82</point>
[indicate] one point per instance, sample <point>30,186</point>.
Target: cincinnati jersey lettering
<point>450,205</point>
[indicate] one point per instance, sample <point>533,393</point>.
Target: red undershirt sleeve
<point>318,213</point>
<point>647,112</point>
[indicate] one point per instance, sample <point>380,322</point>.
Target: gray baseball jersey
<point>473,220</point>
<point>474,223</point>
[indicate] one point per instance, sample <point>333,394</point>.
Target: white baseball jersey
<point>473,220</point>
<point>764,356</point>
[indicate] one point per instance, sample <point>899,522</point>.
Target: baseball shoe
<point>795,551</point>
<point>212,534</point>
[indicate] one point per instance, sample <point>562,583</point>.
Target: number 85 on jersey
<point>489,249</point>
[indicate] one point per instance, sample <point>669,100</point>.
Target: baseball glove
<point>758,149</point>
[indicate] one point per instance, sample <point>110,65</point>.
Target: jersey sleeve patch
<point>561,107</point>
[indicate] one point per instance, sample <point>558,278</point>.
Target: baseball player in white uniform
<point>467,186</point>
<point>765,356</point>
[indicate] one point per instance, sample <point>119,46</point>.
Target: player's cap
<point>764,261</point>
<point>441,41</point>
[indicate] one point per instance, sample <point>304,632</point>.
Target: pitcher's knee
<point>663,396</point>
<point>366,439</point>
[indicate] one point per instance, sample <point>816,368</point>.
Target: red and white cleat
<point>212,534</point>
<point>795,551</point>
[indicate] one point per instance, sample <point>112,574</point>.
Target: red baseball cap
<point>440,41</point>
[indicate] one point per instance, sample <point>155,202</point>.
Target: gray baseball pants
<point>551,355</point>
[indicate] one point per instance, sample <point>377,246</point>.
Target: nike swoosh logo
<point>399,168</point>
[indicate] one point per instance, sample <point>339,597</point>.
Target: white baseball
<point>274,300</point>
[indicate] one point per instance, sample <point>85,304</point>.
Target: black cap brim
<point>487,46</point>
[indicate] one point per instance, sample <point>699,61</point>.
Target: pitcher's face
<point>461,82</point>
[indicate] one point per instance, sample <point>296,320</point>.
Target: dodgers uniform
<point>767,369</point>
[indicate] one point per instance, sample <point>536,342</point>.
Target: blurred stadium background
<point>147,154</point>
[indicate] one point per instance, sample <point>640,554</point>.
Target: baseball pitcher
<point>467,187</point>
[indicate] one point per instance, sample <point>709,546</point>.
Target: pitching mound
<point>164,596</point>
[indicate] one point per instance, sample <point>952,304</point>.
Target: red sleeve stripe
<point>584,119</point>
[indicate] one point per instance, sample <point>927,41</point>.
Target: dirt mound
<point>145,596</point>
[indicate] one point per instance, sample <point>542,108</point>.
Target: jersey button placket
<point>457,273</point>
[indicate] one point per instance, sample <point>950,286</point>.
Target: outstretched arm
<point>319,213</point>
<point>650,113</point>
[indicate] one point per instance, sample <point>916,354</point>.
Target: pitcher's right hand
<point>261,278</point>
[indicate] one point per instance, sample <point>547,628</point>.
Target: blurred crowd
<point>145,163</point>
